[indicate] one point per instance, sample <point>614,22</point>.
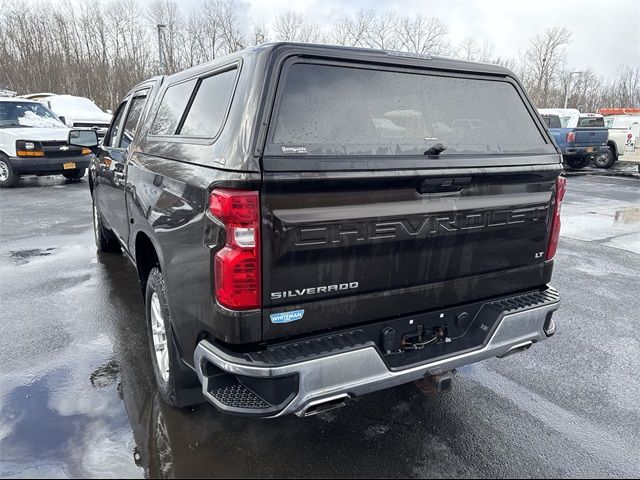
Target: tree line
<point>101,49</point>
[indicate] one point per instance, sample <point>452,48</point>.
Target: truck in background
<point>581,137</point>
<point>621,131</point>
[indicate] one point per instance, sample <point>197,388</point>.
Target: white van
<point>33,141</point>
<point>75,112</point>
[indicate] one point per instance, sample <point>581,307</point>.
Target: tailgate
<point>340,252</point>
<point>591,136</point>
<point>389,191</point>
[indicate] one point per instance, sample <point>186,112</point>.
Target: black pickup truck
<point>313,223</point>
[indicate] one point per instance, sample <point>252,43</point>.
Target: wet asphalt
<point>77,397</point>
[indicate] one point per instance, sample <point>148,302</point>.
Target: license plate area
<point>69,166</point>
<point>589,149</point>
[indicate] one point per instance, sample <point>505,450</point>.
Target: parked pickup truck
<point>313,223</point>
<point>619,132</point>
<point>578,137</point>
<point>33,141</point>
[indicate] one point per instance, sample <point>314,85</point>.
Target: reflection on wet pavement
<point>77,396</point>
<point>22,257</point>
<point>628,215</point>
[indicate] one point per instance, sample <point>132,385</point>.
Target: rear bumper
<point>353,370</point>
<point>584,151</point>
<point>36,165</point>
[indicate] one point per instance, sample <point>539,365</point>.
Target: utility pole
<point>160,56</point>
<point>566,93</point>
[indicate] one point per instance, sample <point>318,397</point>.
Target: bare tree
<point>626,88</point>
<point>165,12</point>
<point>544,61</point>
<point>341,32</point>
<point>259,34</point>
<point>383,32</point>
<point>354,31</point>
<point>100,50</point>
<point>422,35</point>
<point>289,26</point>
<point>228,24</point>
<point>473,51</point>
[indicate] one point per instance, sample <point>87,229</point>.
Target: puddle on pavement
<point>628,215</point>
<point>22,257</point>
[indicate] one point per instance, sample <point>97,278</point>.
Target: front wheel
<point>178,386</point>
<point>8,178</point>
<point>606,159</point>
<point>75,174</point>
<point>577,162</point>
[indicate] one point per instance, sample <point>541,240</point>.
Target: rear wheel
<point>76,174</point>
<point>605,159</point>
<point>106,240</point>
<point>577,162</point>
<point>177,384</point>
<point>8,178</point>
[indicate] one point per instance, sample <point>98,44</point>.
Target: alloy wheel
<point>4,171</point>
<point>159,335</point>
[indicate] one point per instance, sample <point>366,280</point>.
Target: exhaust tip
<point>523,347</point>
<point>324,405</point>
<point>549,327</point>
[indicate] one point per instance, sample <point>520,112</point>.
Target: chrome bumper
<point>362,371</point>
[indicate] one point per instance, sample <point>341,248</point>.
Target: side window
<point>133,118</point>
<point>112,134</point>
<point>171,108</point>
<point>210,105</point>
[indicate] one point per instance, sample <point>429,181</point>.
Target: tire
<point>605,160</point>
<point>577,162</point>
<point>76,174</point>
<point>8,178</point>
<point>178,385</point>
<point>106,240</point>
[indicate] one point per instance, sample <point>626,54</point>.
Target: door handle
<point>443,185</point>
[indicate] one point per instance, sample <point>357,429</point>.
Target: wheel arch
<point>147,255</point>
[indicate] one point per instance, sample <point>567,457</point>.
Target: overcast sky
<point>606,33</point>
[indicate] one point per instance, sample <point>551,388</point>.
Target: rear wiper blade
<point>436,150</point>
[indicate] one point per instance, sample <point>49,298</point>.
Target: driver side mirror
<point>83,138</point>
<point>62,119</point>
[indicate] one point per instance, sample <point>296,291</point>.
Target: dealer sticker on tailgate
<point>286,317</point>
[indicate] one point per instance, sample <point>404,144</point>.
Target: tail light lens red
<point>237,264</point>
<point>571,137</point>
<point>561,188</point>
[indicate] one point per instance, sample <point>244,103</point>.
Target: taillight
<point>571,137</point>
<point>237,264</point>
<point>561,188</point>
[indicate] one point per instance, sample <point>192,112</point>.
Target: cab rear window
<point>196,108</point>
<point>551,121</point>
<point>591,122</point>
<point>344,110</point>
